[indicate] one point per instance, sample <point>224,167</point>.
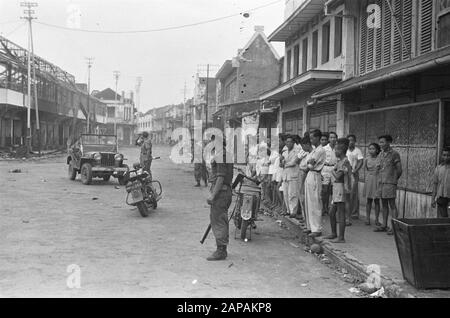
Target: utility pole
<point>28,16</point>
<point>116,76</point>
<point>206,97</point>
<point>89,61</point>
<point>138,92</point>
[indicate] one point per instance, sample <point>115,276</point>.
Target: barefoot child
<point>341,192</point>
<point>371,186</point>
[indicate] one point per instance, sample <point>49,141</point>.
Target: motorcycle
<point>248,198</point>
<point>143,190</point>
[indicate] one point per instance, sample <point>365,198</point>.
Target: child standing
<point>341,192</point>
<point>372,183</point>
<point>441,181</point>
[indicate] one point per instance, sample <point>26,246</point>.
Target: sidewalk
<point>364,247</point>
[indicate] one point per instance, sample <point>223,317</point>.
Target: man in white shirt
<point>330,162</point>
<point>356,158</point>
<point>313,184</point>
<point>289,163</point>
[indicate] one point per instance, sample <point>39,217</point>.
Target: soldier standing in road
<point>146,152</point>
<point>220,200</point>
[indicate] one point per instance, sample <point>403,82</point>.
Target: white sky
<point>165,59</point>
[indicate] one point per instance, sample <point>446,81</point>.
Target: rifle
<point>209,229</point>
<point>238,180</point>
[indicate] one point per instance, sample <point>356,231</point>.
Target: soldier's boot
<point>220,254</point>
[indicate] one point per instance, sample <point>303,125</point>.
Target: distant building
<point>242,79</point>
<point>119,115</point>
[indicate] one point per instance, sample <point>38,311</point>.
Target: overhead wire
<point>14,30</point>
<point>159,29</point>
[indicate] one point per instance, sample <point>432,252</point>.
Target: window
<point>444,23</point>
<point>111,112</point>
<point>305,55</point>
<point>315,49</point>
<point>288,64</point>
<point>325,42</point>
<point>338,35</point>
<point>296,59</point>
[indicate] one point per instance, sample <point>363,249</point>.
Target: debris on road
<point>354,290</point>
<point>294,245</point>
<point>15,171</point>
<point>304,285</point>
<point>229,266</point>
<point>194,282</point>
<point>94,199</point>
<point>368,288</point>
<point>379,293</point>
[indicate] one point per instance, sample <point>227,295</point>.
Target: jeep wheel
<point>72,171</point>
<point>107,177</point>
<point>86,174</point>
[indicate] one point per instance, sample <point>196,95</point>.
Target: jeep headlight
<point>97,157</point>
<point>118,157</point>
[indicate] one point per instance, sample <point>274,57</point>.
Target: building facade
<point>401,87</point>
<point>316,56</point>
<point>241,80</point>
<point>64,109</point>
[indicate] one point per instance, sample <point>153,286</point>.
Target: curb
<point>347,261</point>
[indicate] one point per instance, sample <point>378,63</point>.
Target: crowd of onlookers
<point>319,174</point>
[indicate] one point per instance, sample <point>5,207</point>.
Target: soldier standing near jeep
<point>146,152</point>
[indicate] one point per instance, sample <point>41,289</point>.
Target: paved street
<point>49,223</point>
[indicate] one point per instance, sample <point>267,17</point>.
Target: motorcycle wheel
<point>143,210</point>
<point>237,213</point>
<point>244,226</point>
<point>72,171</point>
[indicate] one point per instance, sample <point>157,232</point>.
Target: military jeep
<point>96,156</point>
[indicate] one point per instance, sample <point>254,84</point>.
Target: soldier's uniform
<point>146,155</point>
<point>219,207</point>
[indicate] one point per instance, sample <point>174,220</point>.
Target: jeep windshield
<point>99,143</point>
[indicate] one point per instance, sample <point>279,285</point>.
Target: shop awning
<point>304,14</point>
<point>309,81</point>
<point>416,65</point>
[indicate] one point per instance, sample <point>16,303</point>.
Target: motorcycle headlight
<point>118,157</point>
<point>97,157</point>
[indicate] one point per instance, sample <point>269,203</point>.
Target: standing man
<point>391,171</point>
<point>146,157</point>
<point>303,172</point>
<point>313,184</point>
<point>327,171</point>
<point>220,200</point>
<point>356,159</point>
<point>441,181</point>
<point>289,163</point>
<point>200,170</point>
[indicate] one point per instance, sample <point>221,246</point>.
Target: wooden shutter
<point>387,34</point>
<point>363,42</point>
<point>379,41</point>
<point>425,26</point>
<point>370,49</point>
<point>398,26</point>
<point>407,28</point>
